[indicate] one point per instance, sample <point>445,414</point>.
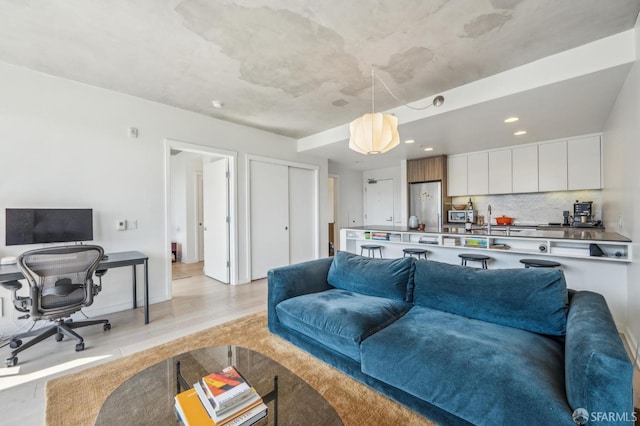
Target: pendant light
<point>377,133</point>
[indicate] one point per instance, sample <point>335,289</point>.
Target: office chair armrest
<point>14,285</point>
<point>21,303</point>
<point>97,288</point>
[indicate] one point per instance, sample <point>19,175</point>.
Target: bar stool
<point>539,263</point>
<point>415,251</point>
<point>469,257</point>
<point>371,250</point>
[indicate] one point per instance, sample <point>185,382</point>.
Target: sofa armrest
<point>295,280</point>
<point>598,371</point>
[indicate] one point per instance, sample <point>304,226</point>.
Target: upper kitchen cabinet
<point>552,166</point>
<point>524,160</point>
<point>584,160</point>
<point>457,175</point>
<point>478,173</point>
<point>500,175</point>
<point>427,169</point>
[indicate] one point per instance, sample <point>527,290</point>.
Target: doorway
<point>201,208</point>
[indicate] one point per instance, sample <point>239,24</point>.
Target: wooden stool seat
<point>415,251</point>
<point>539,263</point>
<point>470,257</point>
<point>371,250</point>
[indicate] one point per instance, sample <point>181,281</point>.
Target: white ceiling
<point>297,68</point>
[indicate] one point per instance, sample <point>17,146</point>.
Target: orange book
<point>190,409</point>
<point>224,386</point>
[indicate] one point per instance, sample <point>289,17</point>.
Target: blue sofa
<point>459,345</point>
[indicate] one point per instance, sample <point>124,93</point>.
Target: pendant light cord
<point>373,76</point>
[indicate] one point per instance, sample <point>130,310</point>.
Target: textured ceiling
<point>294,67</point>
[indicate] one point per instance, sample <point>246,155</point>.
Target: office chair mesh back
<point>63,276</point>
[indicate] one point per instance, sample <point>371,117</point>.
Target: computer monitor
<point>38,226</point>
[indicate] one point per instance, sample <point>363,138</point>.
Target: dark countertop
<point>559,233</point>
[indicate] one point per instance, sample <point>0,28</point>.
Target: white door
<point>200,228</point>
<point>302,212</point>
<point>215,200</point>
<point>379,204</point>
<point>269,195</point>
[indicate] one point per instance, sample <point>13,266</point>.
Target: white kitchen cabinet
<point>457,175</point>
<point>552,166</point>
<point>524,162</point>
<point>478,173</point>
<point>500,175</point>
<point>584,160</point>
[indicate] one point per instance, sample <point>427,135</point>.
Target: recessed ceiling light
<point>520,133</point>
<point>409,141</point>
<point>217,104</point>
<point>511,119</point>
<point>429,148</point>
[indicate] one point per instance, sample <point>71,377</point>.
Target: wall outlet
<point>132,224</point>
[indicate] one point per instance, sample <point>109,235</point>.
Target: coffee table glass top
<point>147,398</point>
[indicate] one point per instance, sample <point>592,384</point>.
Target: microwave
<point>460,216</point>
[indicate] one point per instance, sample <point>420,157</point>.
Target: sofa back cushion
<point>530,299</point>
<point>392,278</point>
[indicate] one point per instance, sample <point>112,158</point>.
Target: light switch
<point>121,225</point>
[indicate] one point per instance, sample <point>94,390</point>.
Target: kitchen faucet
<point>489,219</point>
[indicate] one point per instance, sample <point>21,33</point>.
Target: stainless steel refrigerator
<point>425,202</point>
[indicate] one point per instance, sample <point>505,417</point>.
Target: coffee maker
<point>582,214</point>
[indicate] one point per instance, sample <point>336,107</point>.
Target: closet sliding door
<point>283,210</point>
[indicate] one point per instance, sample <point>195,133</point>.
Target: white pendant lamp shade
<point>374,133</point>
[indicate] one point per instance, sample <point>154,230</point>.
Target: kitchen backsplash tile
<point>535,208</point>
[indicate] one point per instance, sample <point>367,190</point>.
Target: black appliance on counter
<point>583,214</point>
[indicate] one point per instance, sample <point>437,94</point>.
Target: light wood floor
<point>198,303</point>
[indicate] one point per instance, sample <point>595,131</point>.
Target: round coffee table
<point>147,398</point>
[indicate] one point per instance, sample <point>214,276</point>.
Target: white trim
<point>232,158</point>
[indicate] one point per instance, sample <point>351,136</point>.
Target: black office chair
<point>61,283</point>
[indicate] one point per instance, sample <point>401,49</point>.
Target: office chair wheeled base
<point>60,329</point>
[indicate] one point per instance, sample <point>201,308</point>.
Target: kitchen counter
<point>576,249</point>
<point>560,233</point>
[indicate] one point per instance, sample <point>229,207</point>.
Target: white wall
<point>349,196</point>
<point>621,197</point>
<point>65,144</point>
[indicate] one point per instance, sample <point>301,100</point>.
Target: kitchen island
<point>571,247</point>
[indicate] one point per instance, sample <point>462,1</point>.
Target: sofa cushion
<point>339,319</point>
<point>531,299</point>
<point>392,278</point>
<point>485,373</point>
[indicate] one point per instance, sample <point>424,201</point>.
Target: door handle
<point>390,219</point>
<point>286,228</point>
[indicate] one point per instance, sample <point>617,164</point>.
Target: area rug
<point>355,403</point>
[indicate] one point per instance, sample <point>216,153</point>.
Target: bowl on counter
<point>459,206</point>
<point>504,220</point>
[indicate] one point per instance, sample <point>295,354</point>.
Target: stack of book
<point>475,242</point>
<point>447,241</point>
<point>220,398</point>
<point>380,236</point>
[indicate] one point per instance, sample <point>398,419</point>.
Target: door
<point>302,214</point>
<point>269,216</point>
<point>379,202</point>
<point>215,200</point>
<point>200,221</point>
